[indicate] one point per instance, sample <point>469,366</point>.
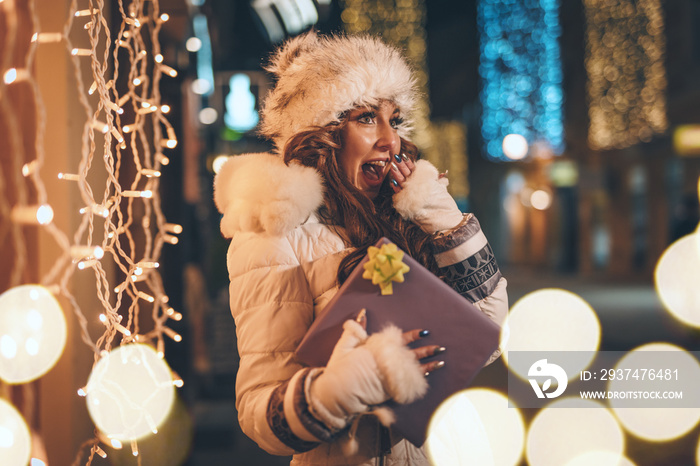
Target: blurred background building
<point>570,128</point>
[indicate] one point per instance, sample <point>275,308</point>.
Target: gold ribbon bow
<point>385,266</point>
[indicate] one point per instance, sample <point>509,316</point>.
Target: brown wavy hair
<point>363,220</point>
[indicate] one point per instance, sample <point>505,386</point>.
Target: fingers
<point>352,336</point>
<point>362,318</point>
<point>428,351</point>
<point>432,366</point>
<point>401,168</point>
<point>424,352</point>
<point>413,335</point>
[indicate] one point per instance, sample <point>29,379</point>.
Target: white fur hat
<point>321,77</point>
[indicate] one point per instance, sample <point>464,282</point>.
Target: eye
<point>396,122</point>
<point>367,118</point>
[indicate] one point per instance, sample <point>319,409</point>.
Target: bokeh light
<point>193,44</point>
<point>515,146</point>
<point>170,446</point>
<point>552,319</point>
<point>10,76</point>
<point>625,52</point>
<point>570,427</point>
<point>32,333</point>
<point>200,86</point>
<point>15,440</point>
<point>476,426</point>
<point>541,199</point>
<point>219,162</point>
<point>600,458</point>
<point>130,392</point>
<point>658,424</point>
<point>676,279</point>
<point>44,214</point>
<point>208,116</point>
<point>521,73</point>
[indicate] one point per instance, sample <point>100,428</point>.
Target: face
<point>369,140</point>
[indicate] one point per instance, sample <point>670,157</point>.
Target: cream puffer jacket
<point>282,266</point>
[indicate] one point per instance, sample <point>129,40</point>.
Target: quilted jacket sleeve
<point>273,308</point>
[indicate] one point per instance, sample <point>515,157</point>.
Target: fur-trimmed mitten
<point>363,372</point>
<point>425,201</point>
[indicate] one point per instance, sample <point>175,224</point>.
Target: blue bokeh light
<point>521,73</point>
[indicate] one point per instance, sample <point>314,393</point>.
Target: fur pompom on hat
<point>321,77</point>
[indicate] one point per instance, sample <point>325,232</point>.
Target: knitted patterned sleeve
<point>289,417</point>
<point>468,265</point>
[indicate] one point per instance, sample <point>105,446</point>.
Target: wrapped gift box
<point>421,301</point>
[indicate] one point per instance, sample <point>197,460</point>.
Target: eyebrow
<point>375,108</point>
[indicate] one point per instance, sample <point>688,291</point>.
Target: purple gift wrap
<point>421,301</point>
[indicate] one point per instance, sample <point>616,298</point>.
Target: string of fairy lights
<point>121,226</point>
<point>625,48</point>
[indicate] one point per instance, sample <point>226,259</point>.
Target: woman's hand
<point>421,196</point>
<point>401,168</point>
<point>365,371</point>
<point>421,352</point>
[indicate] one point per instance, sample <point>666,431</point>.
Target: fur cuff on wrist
<point>318,410</point>
<point>418,191</point>
<point>401,371</point>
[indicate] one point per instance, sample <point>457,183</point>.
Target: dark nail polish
<point>397,157</point>
<point>424,333</point>
<point>439,365</point>
<point>395,183</point>
<point>439,350</point>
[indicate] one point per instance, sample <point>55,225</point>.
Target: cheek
<point>353,152</point>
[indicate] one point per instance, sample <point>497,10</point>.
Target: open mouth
<point>374,170</point>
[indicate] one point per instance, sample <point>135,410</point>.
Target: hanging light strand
<point>105,236</point>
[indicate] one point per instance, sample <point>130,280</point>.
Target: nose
<point>387,139</point>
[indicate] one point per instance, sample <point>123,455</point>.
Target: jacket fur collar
<point>259,193</point>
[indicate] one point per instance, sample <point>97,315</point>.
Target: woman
<point>344,175</point>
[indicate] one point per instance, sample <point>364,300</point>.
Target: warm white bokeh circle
<point>219,162</point>
<point>570,427</point>
<point>541,199</point>
<point>600,458</point>
<point>658,424</point>
<point>676,278</point>
<point>552,319</point>
<point>130,392</point>
<point>208,116</point>
<point>515,146</point>
<point>44,214</point>
<point>15,440</point>
<point>193,44</point>
<point>32,333</point>
<point>476,426</point>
